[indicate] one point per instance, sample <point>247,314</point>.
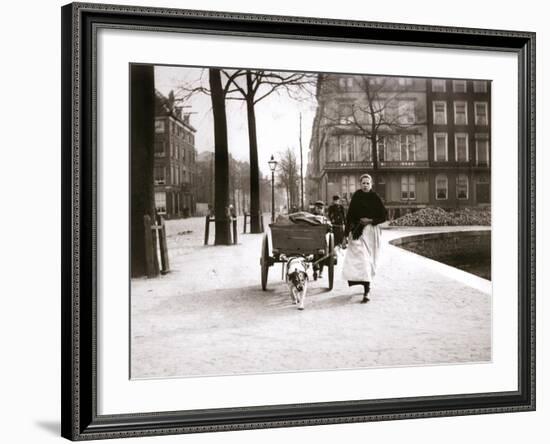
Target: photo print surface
<point>300,221</point>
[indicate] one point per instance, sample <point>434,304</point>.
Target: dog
<point>297,280</point>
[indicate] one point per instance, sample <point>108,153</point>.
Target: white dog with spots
<point>297,280</point>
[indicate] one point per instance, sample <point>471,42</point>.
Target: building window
<point>408,147</point>
<point>332,150</point>
<point>440,145</point>
<point>381,188</point>
<point>348,186</point>
<point>392,111</point>
<point>347,149</point>
<point>440,112</point>
<point>393,148</point>
<point>380,111</point>
<point>459,86</point>
<point>480,86</point>
<point>406,112</point>
<point>345,187</point>
<point>160,175</point>
<point>352,185</point>
<point>364,147</point>
<point>462,187</point>
<point>438,85</point>
<point>461,113</point>
<point>483,189</point>
<point>381,145</point>
<point>345,83</point>
<point>408,187</point>
<point>441,187</point>
<point>159,149</point>
<point>461,147</point>
<point>482,149</point>
<point>160,202</point>
<point>405,81</point>
<point>159,126</point>
<point>481,113</point>
<point>345,114</point>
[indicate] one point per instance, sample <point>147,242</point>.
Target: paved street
<point>209,316</point>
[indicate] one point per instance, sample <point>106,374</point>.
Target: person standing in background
<point>337,217</point>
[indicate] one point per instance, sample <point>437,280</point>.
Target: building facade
<point>175,156</point>
<point>459,141</point>
<point>428,153</point>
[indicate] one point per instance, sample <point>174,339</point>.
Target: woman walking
<point>366,211</point>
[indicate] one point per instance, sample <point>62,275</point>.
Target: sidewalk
<point>209,316</point>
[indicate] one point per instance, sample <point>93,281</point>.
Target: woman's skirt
<point>362,255</point>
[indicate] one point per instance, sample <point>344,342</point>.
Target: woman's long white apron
<point>362,255</point>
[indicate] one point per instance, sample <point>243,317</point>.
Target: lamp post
<point>272,165</point>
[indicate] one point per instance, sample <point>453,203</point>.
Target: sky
<point>277,118</point>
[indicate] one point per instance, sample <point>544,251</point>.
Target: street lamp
<point>272,165</point>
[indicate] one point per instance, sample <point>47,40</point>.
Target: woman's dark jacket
<point>364,204</point>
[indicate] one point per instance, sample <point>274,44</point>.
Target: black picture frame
<point>80,420</point>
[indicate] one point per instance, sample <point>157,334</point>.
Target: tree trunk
<point>221,169</point>
<point>142,133</point>
<point>255,226</point>
<point>288,203</point>
<point>374,145</point>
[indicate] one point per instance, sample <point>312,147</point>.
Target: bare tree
<point>218,93</point>
<point>378,110</point>
<point>252,87</point>
<point>221,196</point>
<point>239,183</point>
<point>142,84</point>
<point>288,176</point>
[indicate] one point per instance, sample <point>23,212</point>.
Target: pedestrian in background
<point>319,212</point>
<point>366,211</point>
<point>337,217</point>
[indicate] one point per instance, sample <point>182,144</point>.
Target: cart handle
<point>326,256</point>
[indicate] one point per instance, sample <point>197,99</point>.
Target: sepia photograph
<point>285,221</point>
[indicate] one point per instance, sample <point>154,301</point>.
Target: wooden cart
<point>313,242</point>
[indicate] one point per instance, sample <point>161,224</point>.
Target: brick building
<point>428,152</point>
<point>175,154</point>
<point>459,141</point>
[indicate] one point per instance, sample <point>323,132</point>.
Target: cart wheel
<point>264,262</point>
<point>331,260</point>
